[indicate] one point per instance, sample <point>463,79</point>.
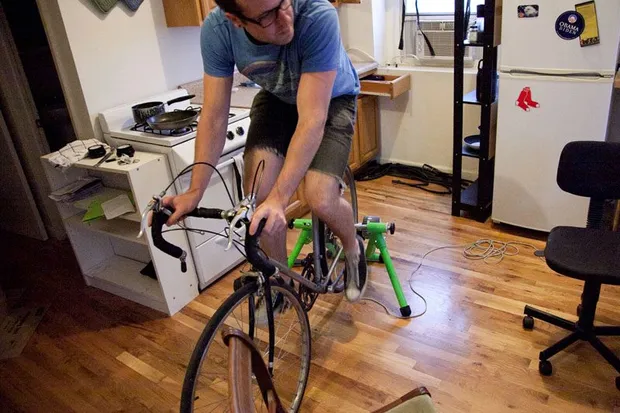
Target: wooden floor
<point>94,352</point>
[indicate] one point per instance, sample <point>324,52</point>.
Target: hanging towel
<point>105,5</point>
<point>133,5</point>
<point>73,152</point>
<point>238,165</point>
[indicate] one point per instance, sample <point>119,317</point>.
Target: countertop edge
<point>242,96</point>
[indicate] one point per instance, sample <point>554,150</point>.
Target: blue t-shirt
<point>316,47</point>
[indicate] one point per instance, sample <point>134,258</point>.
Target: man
<point>301,121</point>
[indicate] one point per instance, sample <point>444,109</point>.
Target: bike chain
<point>306,295</point>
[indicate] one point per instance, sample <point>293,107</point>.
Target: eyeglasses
<point>269,17</point>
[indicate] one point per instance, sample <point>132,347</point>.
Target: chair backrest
<point>590,169</point>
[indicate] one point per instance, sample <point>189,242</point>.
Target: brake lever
<point>245,212</point>
<point>145,216</point>
<point>242,214</point>
<point>155,206</point>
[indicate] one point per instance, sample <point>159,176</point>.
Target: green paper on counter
<point>94,211</point>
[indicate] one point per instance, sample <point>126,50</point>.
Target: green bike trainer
<point>371,229</point>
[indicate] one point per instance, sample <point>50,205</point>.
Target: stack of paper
<point>77,190</point>
<point>118,206</point>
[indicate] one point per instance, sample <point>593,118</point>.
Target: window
<point>438,6</point>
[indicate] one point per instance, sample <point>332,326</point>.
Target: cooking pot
<point>143,111</point>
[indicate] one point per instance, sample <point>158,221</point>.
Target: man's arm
<point>210,139</point>
<point>212,126</point>
<point>314,96</point>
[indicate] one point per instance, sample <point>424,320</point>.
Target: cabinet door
<point>297,206</point>
<point>181,13</point>
<point>354,155</point>
<point>367,128</point>
<point>207,7</point>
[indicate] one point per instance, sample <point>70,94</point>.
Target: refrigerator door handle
<point>564,77</point>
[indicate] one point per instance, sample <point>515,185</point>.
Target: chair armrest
<point>420,391</point>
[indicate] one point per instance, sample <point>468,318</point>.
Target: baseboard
<point>469,175</point>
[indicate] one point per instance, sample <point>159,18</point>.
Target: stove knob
<point>230,136</point>
<point>240,131</point>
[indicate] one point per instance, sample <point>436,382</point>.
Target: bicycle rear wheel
<point>205,387</point>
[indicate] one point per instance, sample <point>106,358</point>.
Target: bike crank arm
<point>292,274</point>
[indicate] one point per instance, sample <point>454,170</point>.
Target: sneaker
<point>356,274</point>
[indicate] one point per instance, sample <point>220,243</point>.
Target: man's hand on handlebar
<point>273,211</point>
<point>181,205</point>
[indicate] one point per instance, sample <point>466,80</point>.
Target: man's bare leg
<point>274,245</point>
<point>324,199</point>
<point>323,196</point>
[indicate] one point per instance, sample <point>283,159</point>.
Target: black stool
<point>592,254</point>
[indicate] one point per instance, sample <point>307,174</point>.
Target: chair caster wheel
<point>546,369</point>
<point>528,322</point>
<point>618,383</point>
<point>579,308</point>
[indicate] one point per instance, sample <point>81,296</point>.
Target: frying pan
<point>173,120</point>
<point>473,142</point>
<point>145,110</point>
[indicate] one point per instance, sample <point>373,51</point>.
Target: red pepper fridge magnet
<point>525,101</point>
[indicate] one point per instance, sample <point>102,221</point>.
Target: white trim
<point>469,175</point>
<point>65,66</point>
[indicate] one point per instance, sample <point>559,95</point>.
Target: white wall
<point>356,26</point>
<point>372,26</point>
<point>416,127</point>
<point>124,56</point>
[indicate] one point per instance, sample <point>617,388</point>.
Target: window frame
<point>436,14</point>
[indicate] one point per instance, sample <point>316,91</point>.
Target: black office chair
<point>592,254</point>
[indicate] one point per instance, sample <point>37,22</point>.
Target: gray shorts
<point>273,124</point>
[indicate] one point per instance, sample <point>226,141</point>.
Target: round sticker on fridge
<point>570,25</point>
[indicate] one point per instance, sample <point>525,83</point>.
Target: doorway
<point>35,119</point>
<point>38,64</point>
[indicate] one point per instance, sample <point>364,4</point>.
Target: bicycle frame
<point>310,233</point>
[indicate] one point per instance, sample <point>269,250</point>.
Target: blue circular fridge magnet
<point>570,25</point>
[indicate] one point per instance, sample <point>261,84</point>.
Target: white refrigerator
<point>551,91</point>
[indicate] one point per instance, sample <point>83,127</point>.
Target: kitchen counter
<point>364,68</point>
<point>243,96</point>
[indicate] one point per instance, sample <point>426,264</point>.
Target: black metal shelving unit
<point>477,198</point>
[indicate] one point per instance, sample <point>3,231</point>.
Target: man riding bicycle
<point>301,121</point>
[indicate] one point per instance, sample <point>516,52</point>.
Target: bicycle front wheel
<point>206,388</point>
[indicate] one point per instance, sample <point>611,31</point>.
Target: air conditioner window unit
<point>440,33</point>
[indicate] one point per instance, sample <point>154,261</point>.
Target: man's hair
<point>229,6</point>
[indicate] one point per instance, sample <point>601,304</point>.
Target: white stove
<point>118,126</point>
<point>118,122</point>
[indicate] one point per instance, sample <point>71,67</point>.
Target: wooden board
<point>16,328</point>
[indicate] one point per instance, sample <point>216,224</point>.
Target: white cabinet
<point>110,255</point>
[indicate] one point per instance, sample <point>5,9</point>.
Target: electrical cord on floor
<point>487,250</point>
<point>425,176</point>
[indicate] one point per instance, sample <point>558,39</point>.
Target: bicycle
<point>263,298</point>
